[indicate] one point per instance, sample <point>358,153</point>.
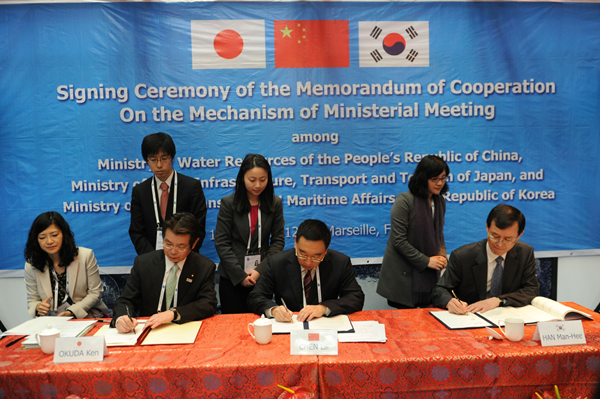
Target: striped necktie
<point>171,284</point>
<point>307,281</point>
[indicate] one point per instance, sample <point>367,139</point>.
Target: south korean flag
<point>394,44</point>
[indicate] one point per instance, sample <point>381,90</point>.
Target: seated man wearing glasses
<point>167,192</point>
<point>309,279</point>
<point>498,271</point>
<point>173,284</point>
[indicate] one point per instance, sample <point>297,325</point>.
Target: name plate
<point>313,342</point>
<point>80,350</point>
<point>558,333</point>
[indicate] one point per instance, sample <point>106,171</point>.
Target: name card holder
<point>313,342</point>
<point>80,350</point>
<point>559,333</point>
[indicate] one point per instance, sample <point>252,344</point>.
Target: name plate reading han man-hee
<point>558,333</point>
<point>80,350</point>
<point>313,342</point>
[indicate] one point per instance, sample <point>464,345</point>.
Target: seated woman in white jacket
<point>61,278</point>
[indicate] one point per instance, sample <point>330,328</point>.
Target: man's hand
<point>126,325</point>
<point>281,314</point>
<point>310,312</point>
<point>483,306</point>
<point>43,308</point>
<point>437,262</point>
<point>456,307</point>
<point>159,318</point>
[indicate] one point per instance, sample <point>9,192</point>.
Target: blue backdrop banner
<point>343,98</point>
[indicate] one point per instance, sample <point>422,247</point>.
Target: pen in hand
<point>287,309</point>
<point>129,315</point>
<point>459,301</point>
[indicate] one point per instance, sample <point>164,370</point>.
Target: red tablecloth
<point>423,359</point>
<point>420,359</point>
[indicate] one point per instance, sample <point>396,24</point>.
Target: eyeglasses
<point>504,240</point>
<point>178,249</point>
<point>309,258</point>
<point>161,159</point>
<point>439,179</point>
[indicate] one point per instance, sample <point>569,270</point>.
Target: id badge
<point>251,262</point>
<point>159,239</point>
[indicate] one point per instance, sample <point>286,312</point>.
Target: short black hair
<point>183,223</point>
<point>429,167</point>
<point>504,216</point>
<point>240,199</point>
<point>314,230</point>
<point>35,255</point>
<point>157,142</point>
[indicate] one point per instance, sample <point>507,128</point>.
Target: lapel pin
<point>189,280</point>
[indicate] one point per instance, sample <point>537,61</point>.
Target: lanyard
<point>156,203</point>
<point>259,222</point>
<point>56,289</point>
<point>318,287</point>
<point>162,291</point>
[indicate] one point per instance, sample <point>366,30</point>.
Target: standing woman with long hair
<point>61,278</point>
<point>249,229</point>
<point>416,250</point>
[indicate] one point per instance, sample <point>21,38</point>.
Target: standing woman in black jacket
<point>249,229</point>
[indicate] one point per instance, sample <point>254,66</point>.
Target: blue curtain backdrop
<point>507,92</point>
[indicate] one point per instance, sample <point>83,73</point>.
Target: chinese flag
<point>312,44</point>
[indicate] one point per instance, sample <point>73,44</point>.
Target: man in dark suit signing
<point>309,278</point>
<point>498,271</point>
<point>167,192</point>
<point>173,284</point>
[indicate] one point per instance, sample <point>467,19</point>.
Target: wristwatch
<point>502,301</point>
<point>176,314</point>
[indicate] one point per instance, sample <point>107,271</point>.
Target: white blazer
<point>85,286</point>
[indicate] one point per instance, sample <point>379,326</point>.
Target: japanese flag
<point>228,44</point>
<point>393,44</point>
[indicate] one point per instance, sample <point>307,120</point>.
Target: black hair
<point>314,230</point>
<point>240,199</point>
<point>429,167</point>
<point>183,223</point>
<point>504,216</point>
<point>39,258</point>
<point>157,142</point>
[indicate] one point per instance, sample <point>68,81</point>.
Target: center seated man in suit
<point>174,284</point>
<point>309,278</point>
<point>167,192</point>
<point>498,271</point>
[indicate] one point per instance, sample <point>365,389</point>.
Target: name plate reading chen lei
<point>313,342</point>
<point>558,333</point>
<point>80,350</point>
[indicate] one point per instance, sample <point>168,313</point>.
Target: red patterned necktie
<point>307,281</point>
<point>164,199</point>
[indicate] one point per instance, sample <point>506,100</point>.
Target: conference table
<point>421,359</point>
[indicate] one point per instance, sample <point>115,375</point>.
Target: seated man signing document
<point>309,278</point>
<point>169,285</point>
<point>498,271</point>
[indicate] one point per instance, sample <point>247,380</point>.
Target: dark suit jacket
<point>282,278</point>
<point>196,298</point>
<point>231,238</point>
<point>142,229</point>
<point>466,274</point>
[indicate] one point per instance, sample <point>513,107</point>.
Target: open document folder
<point>541,309</point>
<point>340,323</point>
<point>165,334</point>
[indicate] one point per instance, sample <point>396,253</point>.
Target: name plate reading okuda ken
<point>558,333</point>
<point>80,349</point>
<point>313,342</point>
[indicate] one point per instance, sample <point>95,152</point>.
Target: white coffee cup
<point>513,329</point>
<point>46,339</point>
<point>263,330</point>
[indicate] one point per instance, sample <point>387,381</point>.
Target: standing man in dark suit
<point>154,200</point>
<point>173,284</point>
<point>498,271</point>
<point>311,279</point>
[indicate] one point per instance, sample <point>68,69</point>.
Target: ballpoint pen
<point>286,308</point>
<point>129,315</point>
<point>453,294</point>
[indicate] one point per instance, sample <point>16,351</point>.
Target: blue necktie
<point>496,285</point>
